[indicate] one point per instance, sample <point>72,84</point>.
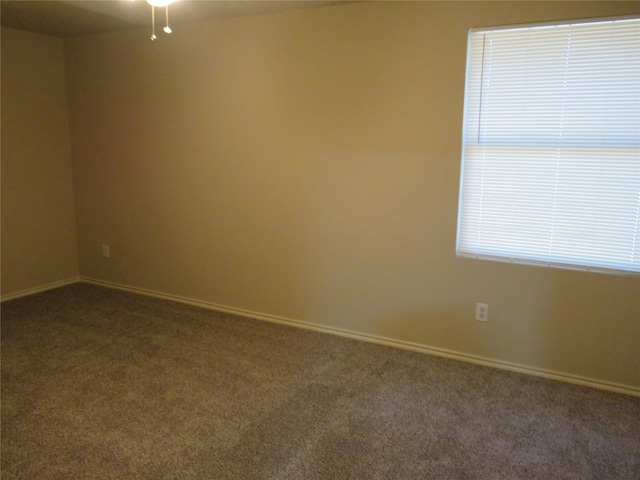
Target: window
<point>551,146</point>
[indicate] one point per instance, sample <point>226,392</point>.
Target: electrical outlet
<point>482,312</point>
<point>106,251</point>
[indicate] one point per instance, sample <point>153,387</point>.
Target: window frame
<point>531,258</point>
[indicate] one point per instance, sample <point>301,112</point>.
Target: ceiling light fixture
<point>159,4</point>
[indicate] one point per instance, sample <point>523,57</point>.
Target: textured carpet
<point>103,384</point>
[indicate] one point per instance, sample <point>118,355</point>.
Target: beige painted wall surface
<point>306,165</point>
<point>38,218</point>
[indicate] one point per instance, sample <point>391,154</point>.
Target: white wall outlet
<point>106,251</point>
<point>482,312</point>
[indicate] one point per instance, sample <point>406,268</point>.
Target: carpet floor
<point>104,384</point>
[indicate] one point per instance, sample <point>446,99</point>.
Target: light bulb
<point>159,3</point>
<point>167,29</point>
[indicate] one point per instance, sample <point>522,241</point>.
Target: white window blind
<point>551,146</point>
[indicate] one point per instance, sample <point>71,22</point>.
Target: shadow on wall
<point>586,306</point>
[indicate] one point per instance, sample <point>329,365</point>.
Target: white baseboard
<point>440,352</point>
<point>41,288</point>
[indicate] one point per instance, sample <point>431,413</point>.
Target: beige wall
<point>38,218</point>
<point>306,165</point>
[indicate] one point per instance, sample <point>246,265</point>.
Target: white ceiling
<point>71,18</point>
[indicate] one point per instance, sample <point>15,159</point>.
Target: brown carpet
<point>103,384</point>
